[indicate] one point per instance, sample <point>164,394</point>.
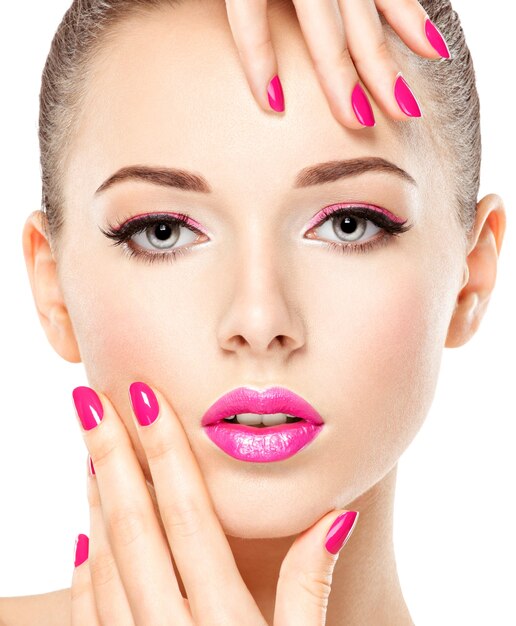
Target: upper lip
<point>270,400</point>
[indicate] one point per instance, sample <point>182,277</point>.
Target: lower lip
<point>262,445</point>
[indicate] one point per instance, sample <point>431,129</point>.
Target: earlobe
<point>44,282</point>
<point>480,271</point>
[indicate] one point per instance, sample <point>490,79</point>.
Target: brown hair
<point>89,23</point>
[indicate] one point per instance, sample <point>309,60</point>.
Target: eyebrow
<point>318,174</point>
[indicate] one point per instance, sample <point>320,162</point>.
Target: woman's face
<point>255,302</point>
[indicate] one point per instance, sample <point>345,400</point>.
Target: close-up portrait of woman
<point>251,377</point>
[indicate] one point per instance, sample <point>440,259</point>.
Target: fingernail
<point>362,106</point>
<point>145,404</point>
<point>436,39</point>
<point>90,464</point>
<point>340,530</point>
<point>405,98</point>
<point>275,94</point>
<point>82,544</point>
<point>88,406</point>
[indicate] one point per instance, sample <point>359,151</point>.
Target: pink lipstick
<point>258,443</point>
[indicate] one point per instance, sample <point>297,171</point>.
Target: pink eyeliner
<point>331,209</point>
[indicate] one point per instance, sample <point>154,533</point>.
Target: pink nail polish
<point>405,98</point>
<point>88,406</point>
<point>82,545</point>
<point>145,404</point>
<point>275,94</point>
<point>90,465</point>
<point>436,39</point>
<point>362,106</point>
<point>340,531</point>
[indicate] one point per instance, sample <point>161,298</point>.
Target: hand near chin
<point>124,573</point>
<point>347,44</point>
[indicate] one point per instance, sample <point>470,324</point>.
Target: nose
<point>262,317</point>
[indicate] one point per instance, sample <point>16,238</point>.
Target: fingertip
<point>340,531</point>
<point>275,94</point>
<point>81,549</point>
<point>436,39</point>
<point>362,107</point>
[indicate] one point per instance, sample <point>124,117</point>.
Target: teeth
<point>266,419</point>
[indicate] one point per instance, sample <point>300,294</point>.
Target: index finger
<point>250,30</point>
<point>200,547</point>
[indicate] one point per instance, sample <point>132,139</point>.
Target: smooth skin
<point>129,578</point>
<point>257,303</point>
<point>346,42</point>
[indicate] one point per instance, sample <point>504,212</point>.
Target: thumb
<point>306,573</point>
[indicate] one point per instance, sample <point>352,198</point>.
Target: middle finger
<point>140,549</point>
<point>374,61</point>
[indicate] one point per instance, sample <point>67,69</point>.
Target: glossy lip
<point>271,400</point>
<point>261,445</point>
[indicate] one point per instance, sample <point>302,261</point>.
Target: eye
<point>157,236</point>
<point>355,227</point>
<point>163,235</point>
<point>348,228</point>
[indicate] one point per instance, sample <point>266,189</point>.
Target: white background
<point>454,514</point>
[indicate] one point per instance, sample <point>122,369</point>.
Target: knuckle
<point>126,525</point>
<point>102,568</point>
<point>104,450</point>
<point>344,57</point>
<point>93,495</point>
<point>183,520</point>
<point>159,450</point>
<point>80,587</point>
<point>255,48</point>
<point>258,47</point>
<point>317,584</point>
<point>380,53</point>
<point>326,62</point>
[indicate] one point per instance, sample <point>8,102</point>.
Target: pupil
<point>348,227</point>
<point>163,231</point>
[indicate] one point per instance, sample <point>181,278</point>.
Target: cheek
<point>130,328</point>
<point>124,334</point>
<point>386,347</point>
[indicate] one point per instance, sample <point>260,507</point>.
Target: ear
<point>479,272</point>
<point>44,282</point>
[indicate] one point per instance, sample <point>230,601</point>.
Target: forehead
<point>168,89</point>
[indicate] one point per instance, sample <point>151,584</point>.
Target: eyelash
<point>122,233</point>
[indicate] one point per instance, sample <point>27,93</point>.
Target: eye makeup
<point>332,209</point>
<point>123,231</point>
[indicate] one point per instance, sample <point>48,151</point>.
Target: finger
<point>82,601</point>
<point>322,27</point>
<point>414,27</point>
<point>306,573</point>
<point>374,61</point>
<point>140,549</point>
<point>200,547</point>
<point>110,597</point>
<point>250,29</point>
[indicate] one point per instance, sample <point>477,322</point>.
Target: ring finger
<point>374,61</point>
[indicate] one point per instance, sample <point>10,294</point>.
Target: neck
<point>365,586</point>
